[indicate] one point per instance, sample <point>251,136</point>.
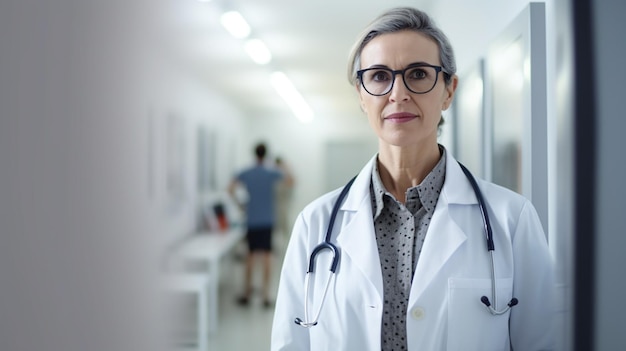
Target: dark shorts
<point>259,239</point>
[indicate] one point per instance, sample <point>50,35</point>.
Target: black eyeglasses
<point>418,78</point>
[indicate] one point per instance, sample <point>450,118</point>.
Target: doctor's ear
<point>361,102</point>
<point>362,107</point>
<point>450,91</point>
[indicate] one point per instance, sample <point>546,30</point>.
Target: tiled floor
<point>242,328</point>
<point>239,328</point>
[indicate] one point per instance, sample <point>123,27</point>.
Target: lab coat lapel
<point>442,240</point>
<point>357,240</point>
<point>444,236</point>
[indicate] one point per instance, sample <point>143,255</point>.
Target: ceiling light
<point>258,51</point>
<point>235,24</point>
<point>292,97</point>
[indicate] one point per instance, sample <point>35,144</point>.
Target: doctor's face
<point>403,117</point>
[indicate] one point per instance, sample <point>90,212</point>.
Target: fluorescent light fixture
<point>292,97</point>
<point>258,51</point>
<point>235,24</point>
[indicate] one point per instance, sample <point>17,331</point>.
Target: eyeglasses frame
<point>394,73</point>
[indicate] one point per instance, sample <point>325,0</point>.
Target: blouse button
<point>417,313</point>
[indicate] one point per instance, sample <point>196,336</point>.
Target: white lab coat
<point>453,272</point>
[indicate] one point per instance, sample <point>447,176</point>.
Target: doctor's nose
<point>399,91</point>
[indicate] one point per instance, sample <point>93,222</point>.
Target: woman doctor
<point>414,264</point>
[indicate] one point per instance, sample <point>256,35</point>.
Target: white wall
<point>472,25</point>
<point>81,235</point>
<point>194,105</point>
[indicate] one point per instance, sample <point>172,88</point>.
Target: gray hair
<point>398,19</point>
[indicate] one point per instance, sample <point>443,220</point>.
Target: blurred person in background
<point>259,181</point>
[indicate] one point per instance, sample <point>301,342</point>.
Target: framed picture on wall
<point>206,162</point>
<point>516,71</point>
<point>175,162</point>
<point>469,113</point>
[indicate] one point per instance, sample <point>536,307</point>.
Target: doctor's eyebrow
<point>413,64</point>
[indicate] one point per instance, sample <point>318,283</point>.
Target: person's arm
<point>288,178</point>
<point>232,191</point>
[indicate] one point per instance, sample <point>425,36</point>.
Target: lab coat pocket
<point>470,324</point>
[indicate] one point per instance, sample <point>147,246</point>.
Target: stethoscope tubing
<point>306,299</point>
<point>490,247</point>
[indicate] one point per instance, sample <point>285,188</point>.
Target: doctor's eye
<point>418,73</point>
<point>377,75</point>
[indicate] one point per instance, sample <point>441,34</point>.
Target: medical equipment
<point>327,245</point>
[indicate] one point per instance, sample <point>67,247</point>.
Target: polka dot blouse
<point>400,233</point>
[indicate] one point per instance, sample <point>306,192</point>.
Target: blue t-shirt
<point>260,181</point>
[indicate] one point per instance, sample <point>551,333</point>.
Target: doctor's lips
<point>400,117</point>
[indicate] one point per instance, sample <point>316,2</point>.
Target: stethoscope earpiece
<point>487,303</point>
<point>301,323</point>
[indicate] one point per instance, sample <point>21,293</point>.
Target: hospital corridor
<point>157,157</point>
<point>243,327</point>
<point>239,327</point>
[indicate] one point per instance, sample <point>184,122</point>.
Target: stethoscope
<point>327,245</point>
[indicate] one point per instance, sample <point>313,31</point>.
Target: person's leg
<point>266,257</point>
<point>267,270</point>
<point>248,268</point>
<point>248,274</point>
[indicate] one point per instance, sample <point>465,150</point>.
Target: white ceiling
<point>309,41</point>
